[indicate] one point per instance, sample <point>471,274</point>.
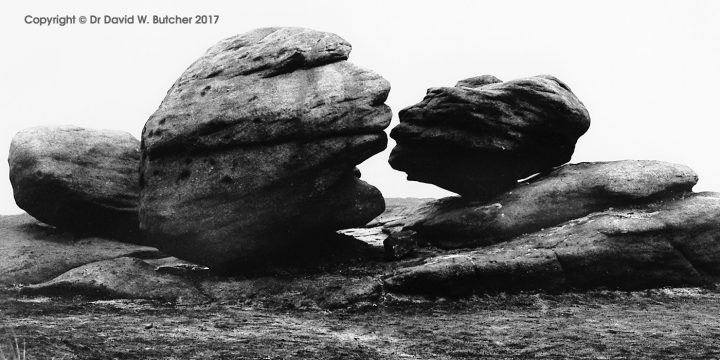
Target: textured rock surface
<point>126,278</point>
<point>31,252</point>
<point>570,192</point>
<point>78,179</point>
<point>175,266</point>
<point>255,147</point>
<point>397,211</point>
<point>400,244</point>
<point>480,137</point>
<point>672,243</point>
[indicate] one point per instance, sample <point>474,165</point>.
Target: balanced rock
<point>567,193</point>
<point>78,179</point>
<point>483,135</point>
<point>255,146</point>
<point>672,243</point>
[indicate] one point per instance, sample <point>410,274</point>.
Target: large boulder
<point>78,179</point>
<point>672,243</point>
<point>483,135</point>
<point>567,193</point>
<point>254,148</point>
<point>32,252</point>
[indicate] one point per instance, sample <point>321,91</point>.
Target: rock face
<point>255,147</point>
<point>31,252</point>
<point>483,135</point>
<point>567,193</point>
<point>78,179</point>
<point>673,243</point>
<point>127,278</point>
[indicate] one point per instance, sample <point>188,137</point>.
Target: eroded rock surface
<point>671,243</point>
<point>78,179</point>
<point>121,278</point>
<point>483,135</point>
<point>567,193</point>
<point>32,252</point>
<point>255,147</point>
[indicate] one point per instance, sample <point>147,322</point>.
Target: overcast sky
<point>648,71</point>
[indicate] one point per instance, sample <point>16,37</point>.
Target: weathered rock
<point>480,137</point>
<point>398,210</point>
<point>373,236</point>
<point>125,278</point>
<point>175,266</point>
<point>671,243</point>
<point>31,252</point>
<point>567,193</point>
<point>255,147</point>
<point>400,244</point>
<point>78,179</point>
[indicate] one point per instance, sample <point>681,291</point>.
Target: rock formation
<point>121,278</point>
<point>31,252</point>
<point>78,179</point>
<point>622,224</point>
<point>255,146</point>
<point>671,243</point>
<point>567,193</point>
<point>483,135</point>
<point>251,157</point>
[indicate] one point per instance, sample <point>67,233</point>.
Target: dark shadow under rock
<point>323,253</point>
<point>400,244</point>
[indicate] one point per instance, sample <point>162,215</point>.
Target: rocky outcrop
<point>672,243</point>
<point>121,278</point>
<point>567,193</point>
<point>255,147</point>
<point>483,135</point>
<point>31,252</point>
<point>78,179</point>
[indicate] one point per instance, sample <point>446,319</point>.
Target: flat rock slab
<point>397,211</point>
<point>175,266</point>
<point>32,252</point>
<point>83,180</point>
<point>481,136</point>
<point>671,243</point>
<point>569,192</point>
<point>125,278</point>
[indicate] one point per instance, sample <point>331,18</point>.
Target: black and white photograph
<point>319,179</point>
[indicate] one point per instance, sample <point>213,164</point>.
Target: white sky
<point>648,71</point>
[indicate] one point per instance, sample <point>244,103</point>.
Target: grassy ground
<point>332,307</point>
<point>654,324</point>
